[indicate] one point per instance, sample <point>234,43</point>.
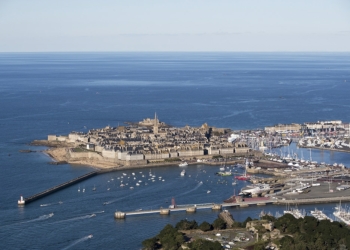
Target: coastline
<point>58,152</point>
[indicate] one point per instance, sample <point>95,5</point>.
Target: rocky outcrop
<point>227,217</point>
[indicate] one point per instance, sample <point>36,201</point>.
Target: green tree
<point>268,217</point>
<point>286,242</point>
<point>260,245</point>
<point>170,238</point>
<point>205,226</point>
<point>186,225</point>
<point>237,224</point>
<point>219,224</point>
<point>150,244</point>
<point>201,244</point>
<point>168,229</point>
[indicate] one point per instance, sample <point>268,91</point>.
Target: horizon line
<point>171,51</point>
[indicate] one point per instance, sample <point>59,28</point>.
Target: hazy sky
<point>174,25</point>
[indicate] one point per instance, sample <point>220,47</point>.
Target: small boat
<point>83,190</point>
<point>131,187</point>
<point>90,236</point>
<point>183,164</point>
<point>94,189</point>
<point>137,184</point>
<point>183,172</point>
<point>208,192</point>
<point>108,189</point>
<point>79,189</point>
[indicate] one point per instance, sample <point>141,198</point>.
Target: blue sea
<point>56,93</point>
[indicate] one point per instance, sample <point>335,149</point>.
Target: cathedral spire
<point>155,126</point>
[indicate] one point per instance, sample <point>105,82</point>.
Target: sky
<point>174,25</point>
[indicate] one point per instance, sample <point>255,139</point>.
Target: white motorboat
<point>319,215</point>
<point>183,172</point>
<point>183,164</point>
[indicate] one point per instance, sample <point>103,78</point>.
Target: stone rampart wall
<point>214,152</point>
<point>98,148</point>
<point>89,155</point>
<point>134,157</point>
<point>174,154</point>
<point>241,150</point>
<point>185,153</point>
<point>226,151</point>
<point>109,154</point>
<point>73,137</point>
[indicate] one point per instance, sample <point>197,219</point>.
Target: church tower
<point>155,126</point>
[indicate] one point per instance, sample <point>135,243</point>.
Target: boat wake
<point>50,204</point>
<point>195,188</point>
<point>43,217</point>
<point>78,241</point>
<point>76,218</point>
<point>112,201</point>
<point>99,212</point>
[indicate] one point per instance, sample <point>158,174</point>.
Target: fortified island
<point>146,142</point>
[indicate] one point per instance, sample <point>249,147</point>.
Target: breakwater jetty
<point>24,201</point>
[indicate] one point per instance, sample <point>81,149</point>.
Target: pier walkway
<point>191,208</point>
<point>57,188</point>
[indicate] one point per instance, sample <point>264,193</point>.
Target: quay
<point>191,208</point>
<point>24,201</point>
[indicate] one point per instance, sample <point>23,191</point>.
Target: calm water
<point>44,94</point>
